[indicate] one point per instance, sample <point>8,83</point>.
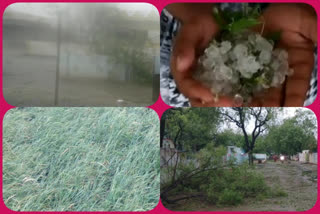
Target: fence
<point>306,157</point>
<point>313,158</point>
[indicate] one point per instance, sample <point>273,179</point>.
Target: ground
<point>298,180</point>
<point>30,81</point>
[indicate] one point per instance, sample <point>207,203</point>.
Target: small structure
<point>307,157</point>
<point>261,158</point>
<point>236,154</point>
<point>304,156</point>
<point>167,143</point>
<point>313,158</point>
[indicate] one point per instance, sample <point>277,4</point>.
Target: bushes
<point>230,197</point>
<point>231,185</point>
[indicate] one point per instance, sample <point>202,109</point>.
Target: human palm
<point>298,27</point>
<point>192,39</point>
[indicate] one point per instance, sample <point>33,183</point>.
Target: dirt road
<point>298,180</point>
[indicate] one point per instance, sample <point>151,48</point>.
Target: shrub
<point>229,186</point>
<point>230,197</point>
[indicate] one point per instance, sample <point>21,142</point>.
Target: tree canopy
<point>191,128</point>
<point>259,130</point>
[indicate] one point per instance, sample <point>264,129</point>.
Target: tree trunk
<point>250,158</point>
<point>162,128</point>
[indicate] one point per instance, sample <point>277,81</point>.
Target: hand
<point>298,26</point>
<point>193,37</point>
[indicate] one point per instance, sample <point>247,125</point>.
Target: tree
<point>293,135</point>
<point>194,173</point>
<point>112,32</point>
<point>262,146</point>
<point>228,137</point>
<point>191,129</point>
<point>241,116</point>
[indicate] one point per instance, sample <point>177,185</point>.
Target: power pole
<point>57,82</point>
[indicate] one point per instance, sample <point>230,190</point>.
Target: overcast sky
<point>287,113</point>
<point>45,9</point>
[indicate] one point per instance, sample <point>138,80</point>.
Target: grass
<point>81,159</point>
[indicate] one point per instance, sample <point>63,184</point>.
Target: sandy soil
<point>298,180</point>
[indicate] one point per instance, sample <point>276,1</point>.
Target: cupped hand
<point>193,37</point>
<point>298,26</point>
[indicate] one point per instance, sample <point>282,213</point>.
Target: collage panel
<point>81,159</point>
<point>223,54</point>
<point>82,115</point>
<point>81,54</point>
<point>239,159</point>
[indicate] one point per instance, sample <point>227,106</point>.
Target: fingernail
<point>237,100</point>
<point>207,100</point>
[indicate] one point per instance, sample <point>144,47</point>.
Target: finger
<point>302,62</point>
<point>192,39</point>
<point>195,90</point>
<point>299,18</point>
<point>185,47</point>
<point>221,102</point>
<point>198,103</point>
<point>188,86</point>
<point>272,98</point>
<point>309,22</point>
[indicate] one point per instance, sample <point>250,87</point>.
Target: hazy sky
<point>287,112</point>
<point>45,9</point>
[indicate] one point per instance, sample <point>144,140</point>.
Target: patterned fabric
<point>312,92</point>
<point>168,89</point>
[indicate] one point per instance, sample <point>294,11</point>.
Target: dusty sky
<point>46,9</point>
<point>288,112</point>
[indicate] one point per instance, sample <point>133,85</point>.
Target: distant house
<point>168,144</point>
<point>236,154</point>
<point>260,157</point>
<point>308,157</point>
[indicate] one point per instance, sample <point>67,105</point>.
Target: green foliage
<point>274,36</point>
<point>242,24</point>
<point>220,182</point>
<point>235,22</point>
<point>81,159</point>
<point>228,137</point>
<point>230,197</point>
<point>192,128</point>
<point>293,135</point>
<point>232,186</point>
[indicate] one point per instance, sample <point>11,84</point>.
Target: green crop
<point>81,159</point>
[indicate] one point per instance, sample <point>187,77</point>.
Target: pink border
<point>159,106</point>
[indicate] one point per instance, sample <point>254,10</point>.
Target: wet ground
<point>30,81</point>
<point>298,180</point>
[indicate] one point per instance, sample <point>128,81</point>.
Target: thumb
<point>184,61</point>
<point>309,22</point>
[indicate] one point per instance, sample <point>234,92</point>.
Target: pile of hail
<point>240,63</point>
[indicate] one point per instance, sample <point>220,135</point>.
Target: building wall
<point>313,158</point>
<point>306,157</point>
